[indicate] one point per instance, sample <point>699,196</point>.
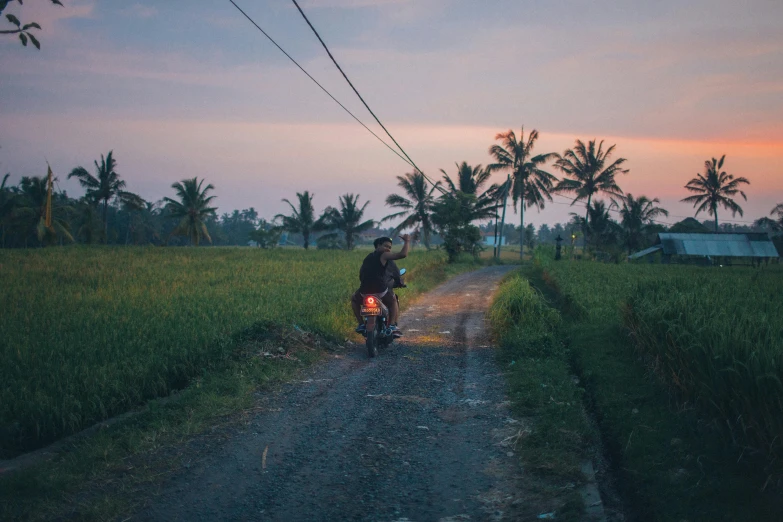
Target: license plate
<point>367,310</point>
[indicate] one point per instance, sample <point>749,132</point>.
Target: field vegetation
<point>682,365</point>
<point>87,333</point>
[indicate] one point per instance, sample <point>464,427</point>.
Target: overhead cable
<point>575,201</point>
<point>360,96</point>
<point>408,161</point>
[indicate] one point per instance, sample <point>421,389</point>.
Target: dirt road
<point>415,434</point>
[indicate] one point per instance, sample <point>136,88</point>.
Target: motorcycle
<point>375,314</point>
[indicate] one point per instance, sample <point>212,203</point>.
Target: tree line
<point>448,208</point>
<point>588,172</point>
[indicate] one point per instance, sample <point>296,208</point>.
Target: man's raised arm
<point>402,253</point>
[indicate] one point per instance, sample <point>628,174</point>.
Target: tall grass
<point>717,340</point>
<point>87,333</point>
<point>714,335</point>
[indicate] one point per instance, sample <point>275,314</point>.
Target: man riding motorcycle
<point>376,279</point>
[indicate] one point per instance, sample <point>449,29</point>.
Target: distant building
<point>489,239</point>
<point>368,236</point>
<point>711,248</point>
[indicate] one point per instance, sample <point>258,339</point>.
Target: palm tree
<point>636,216</point>
<point>531,184</point>
<point>134,207</point>
<point>417,209</point>
<point>470,181</point>
<point>715,188</point>
<point>597,224</point>
<point>7,204</point>
<point>148,225</point>
<point>348,219</point>
<point>103,188</point>
<point>87,223</point>
<point>192,209</point>
<point>302,220</point>
<point>587,167</point>
<point>772,224</point>
<point>32,211</point>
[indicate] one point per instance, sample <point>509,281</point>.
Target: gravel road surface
<point>413,435</point>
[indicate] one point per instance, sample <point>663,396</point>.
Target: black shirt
<point>372,274</point>
<point>392,275</point>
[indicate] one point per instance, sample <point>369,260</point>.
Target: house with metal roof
<point>708,247</point>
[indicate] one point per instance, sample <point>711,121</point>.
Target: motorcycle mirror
<point>402,271</point>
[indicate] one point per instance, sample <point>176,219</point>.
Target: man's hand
<point>402,254</point>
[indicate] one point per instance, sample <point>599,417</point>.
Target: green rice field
<point>88,333</point>
<point>714,335</point>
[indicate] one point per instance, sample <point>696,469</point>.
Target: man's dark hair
<point>381,240</point>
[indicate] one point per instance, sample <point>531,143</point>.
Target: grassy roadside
<point>105,476</point>
<point>669,465</point>
<point>555,437</point>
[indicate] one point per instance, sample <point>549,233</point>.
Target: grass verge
<point>555,438</point>
<point>107,475</point>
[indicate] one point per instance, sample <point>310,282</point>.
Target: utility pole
<point>503,219</point>
<point>495,250</point>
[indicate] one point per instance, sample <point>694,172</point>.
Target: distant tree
<point>147,228</point>
<point>776,225</point>
<point>511,233</point>
<point>544,234</point>
<point>531,184</point>
<point>714,188</point>
<point>559,230</point>
<point>330,242</point>
<point>105,187</point>
<point>88,225</point>
<point>589,173</point>
<point>32,212</point>
<point>636,215</point>
<point>302,220</point>
<point>266,235</point>
<point>8,200</point>
<point>471,181</point>
<point>347,219</point>
<point>452,215</point>
<point>417,207</point>
<point>689,226</point>
<point>530,236</point>
<point>133,207</point>
<point>191,209</point>
<point>238,225</point>
<point>22,30</point>
<point>598,225</point>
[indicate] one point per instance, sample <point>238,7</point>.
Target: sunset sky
<point>180,89</point>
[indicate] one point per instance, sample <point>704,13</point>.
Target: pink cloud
<point>140,11</point>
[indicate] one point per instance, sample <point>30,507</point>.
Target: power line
<point>360,97</point>
<point>323,88</point>
<point>583,205</point>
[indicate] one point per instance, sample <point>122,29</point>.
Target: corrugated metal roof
<point>644,252</point>
<point>728,245</point>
